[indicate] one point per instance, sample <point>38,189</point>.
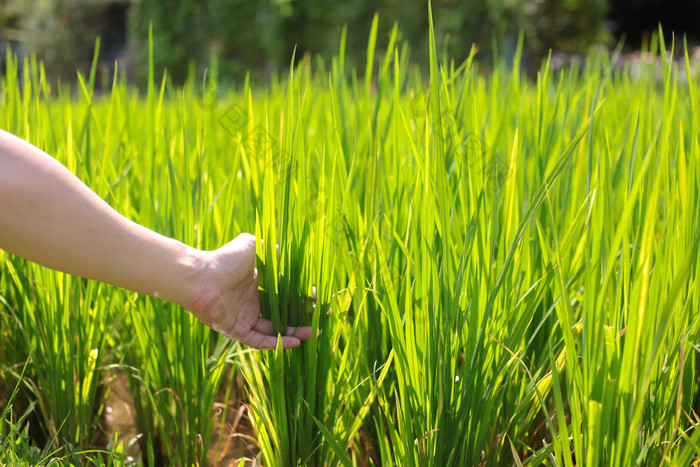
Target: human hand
<point>226,298</point>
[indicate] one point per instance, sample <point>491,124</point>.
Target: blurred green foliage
<point>9,15</point>
<point>259,36</point>
<point>243,35</point>
<point>57,31</point>
<point>62,33</point>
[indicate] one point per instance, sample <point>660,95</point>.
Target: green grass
<point>506,269</point>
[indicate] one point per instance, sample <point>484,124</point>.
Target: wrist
<point>189,276</point>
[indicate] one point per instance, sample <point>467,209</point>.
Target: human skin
<point>49,216</point>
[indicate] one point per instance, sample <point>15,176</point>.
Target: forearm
<point>50,217</point>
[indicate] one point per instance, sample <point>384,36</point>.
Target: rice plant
<point>496,269</point>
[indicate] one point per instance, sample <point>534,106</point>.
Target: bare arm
<point>50,217</point>
<point>47,215</point>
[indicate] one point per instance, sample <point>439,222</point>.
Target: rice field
<point>505,269</point>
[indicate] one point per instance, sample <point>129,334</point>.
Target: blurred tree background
<point>259,36</point>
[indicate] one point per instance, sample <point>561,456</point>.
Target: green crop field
<point>505,268</point>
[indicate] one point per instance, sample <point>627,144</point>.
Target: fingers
<point>301,333</point>
<point>263,337</point>
<point>264,342</point>
<point>264,326</point>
